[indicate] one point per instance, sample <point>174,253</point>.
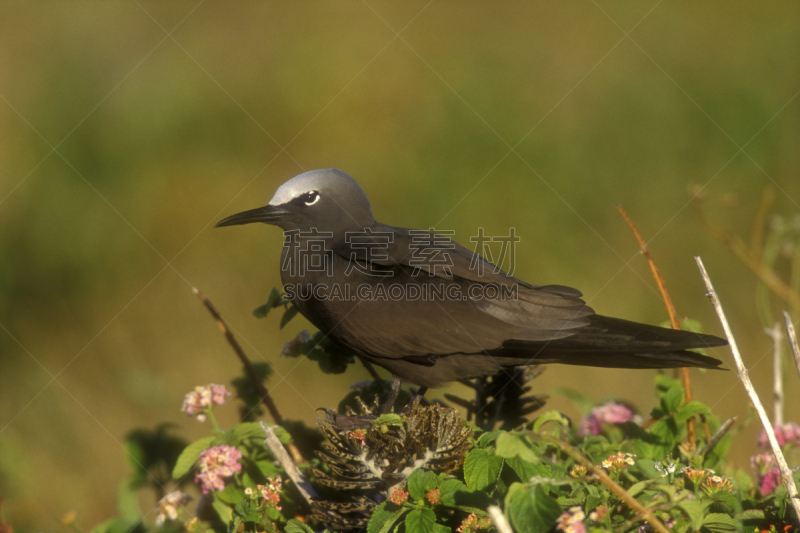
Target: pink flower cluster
<point>785,433</point>
<point>767,471</point>
<point>769,475</point>
<point>202,398</point>
<point>608,413</point>
<point>215,464</point>
<point>571,521</point>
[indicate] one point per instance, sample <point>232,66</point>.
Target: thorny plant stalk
<point>604,478</point>
<point>673,318</point>
<point>248,366</point>
<point>786,473</point>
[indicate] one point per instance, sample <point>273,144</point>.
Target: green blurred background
<point>130,128</point>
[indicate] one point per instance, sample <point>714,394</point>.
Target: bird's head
<point>328,200</point>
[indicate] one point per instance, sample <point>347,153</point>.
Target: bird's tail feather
<point>615,343</point>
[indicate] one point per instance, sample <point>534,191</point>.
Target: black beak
<point>269,214</point>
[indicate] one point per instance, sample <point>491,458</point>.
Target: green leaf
<point>721,523</point>
<point>715,454</point>
<point>296,526</point>
<point>751,514</point>
<point>594,498</point>
<point>488,438</point>
<point>420,482</point>
<point>515,445</point>
<point>638,487</point>
<point>481,469</point>
<point>288,315</point>
<point>448,490</point>
<point>695,512</point>
<point>246,512</point>
<point>725,502</point>
<point>453,493</point>
<point>224,512</point>
<point>267,467</point>
<point>383,519</point>
<point>247,430</point>
<point>420,521</point>
<point>274,300</point>
<point>671,400</point>
<point>550,416</point>
<point>119,525</point>
<point>231,494</point>
<point>532,510</point>
<point>189,456</point>
<point>253,430</point>
<point>128,500</point>
<point>526,470</point>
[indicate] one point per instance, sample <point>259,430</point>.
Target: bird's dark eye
<point>308,198</point>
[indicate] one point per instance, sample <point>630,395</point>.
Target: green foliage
<point>532,474</point>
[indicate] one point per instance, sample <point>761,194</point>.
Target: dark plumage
<point>474,329</point>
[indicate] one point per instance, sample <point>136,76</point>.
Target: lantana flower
<point>471,524</point>
<point>571,521</point>
<point>784,433</point>
<point>271,492</point>
<point>203,398</point>
<point>618,461</point>
<point>608,413</point>
<point>216,464</point>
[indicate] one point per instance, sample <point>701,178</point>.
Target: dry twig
<point>275,446</point>
<point>604,478</point>
<point>499,519</point>
<point>786,473</point>
<point>248,366</point>
<point>673,317</point>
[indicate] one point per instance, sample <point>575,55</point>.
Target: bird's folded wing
<point>460,311</point>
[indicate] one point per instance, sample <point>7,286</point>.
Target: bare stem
<point>499,519</point>
<point>721,432</point>
<point>776,335</point>
<point>277,449</point>
<point>615,488</point>
<point>786,474</point>
<point>248,367</point>
<point>792,340</point>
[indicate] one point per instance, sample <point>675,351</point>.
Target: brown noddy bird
<point>431,311</point>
